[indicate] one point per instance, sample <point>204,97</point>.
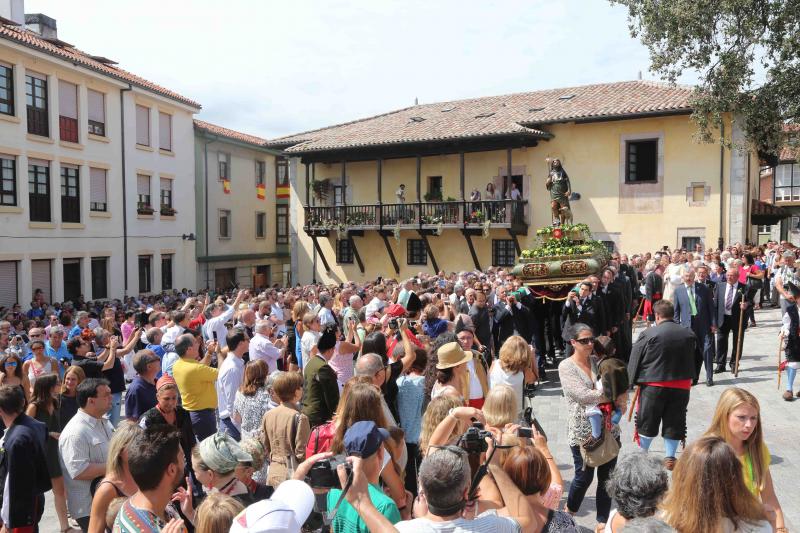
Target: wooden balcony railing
<point>503,214</point>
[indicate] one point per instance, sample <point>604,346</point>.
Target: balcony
<point>433,216</point>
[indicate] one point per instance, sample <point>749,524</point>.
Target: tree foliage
<point>746,51</point>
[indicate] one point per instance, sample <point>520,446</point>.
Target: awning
<point>766,214</point>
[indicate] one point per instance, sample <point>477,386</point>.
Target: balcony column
<point>380,179</point>
<point>419,179</point>
<point>308,185</point>
<point>461,174</point>
<point>344,183</point>
<point>508,167</point>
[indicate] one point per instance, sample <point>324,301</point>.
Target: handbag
<point>601,455</point>
<point>321,439</point>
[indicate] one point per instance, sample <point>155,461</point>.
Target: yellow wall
<point>591,155</point>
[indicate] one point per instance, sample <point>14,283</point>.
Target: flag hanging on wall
<point>261,191</point>
<point>226,186</point>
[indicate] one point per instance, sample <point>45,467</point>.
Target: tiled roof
<point>64,51</point>
<point>788,152</point>
<point>231,134</point>
<point>496,115</point>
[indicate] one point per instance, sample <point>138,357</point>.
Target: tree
<point>746,51</point>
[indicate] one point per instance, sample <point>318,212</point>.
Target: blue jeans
<point>226,425</point>
<point>113,413</point>
<point>204,423</point>
<point>583,479</point>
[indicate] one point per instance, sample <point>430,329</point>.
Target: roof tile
<point>231,134</point>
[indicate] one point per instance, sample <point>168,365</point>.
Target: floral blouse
<point>580,393</point>
<point>252,409</point>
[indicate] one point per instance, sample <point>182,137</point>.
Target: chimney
<point>41,24</point>
<point>13,10</point>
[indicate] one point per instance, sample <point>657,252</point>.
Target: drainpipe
<point>124,192</point>
<point>205,195</point>
<point>721,241</point>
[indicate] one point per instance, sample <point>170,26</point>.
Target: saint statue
<point>560,190</point>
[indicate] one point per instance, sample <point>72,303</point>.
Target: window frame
<point>98,207</point>
<point>225,162</point>
<point>169,196</point>
<point>37,200</point>
<point>38,115</point>
<point>224,214</point>
<point>9,78</point>
<point>344,252</point>
<point>261,173</point>
<point>97,280</point>
<point>628,144</point>
<point>415,256</point>
<point>261,218</point>
<point>147,260</point>
<point>95,127</point>
<point>281,178</point>
<point>140,203</point>
<point>500,247</point>
<point>67,125</point>
<point>147,128</point>
<point>167,271</point>
<point>169,130</point>
<point>4,179</point>
<point>70,194</point>
<point>281,217</point>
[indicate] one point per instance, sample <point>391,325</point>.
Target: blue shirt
<point>140,398</point>
<point>74,332</point>
<point>410,397</point>
<point>58,355</point>
<point>159,351</point>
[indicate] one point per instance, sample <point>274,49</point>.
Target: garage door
<point>40,278</point>
<point>8,283</point>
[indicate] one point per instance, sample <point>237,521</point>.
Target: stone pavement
<point>757,373</point>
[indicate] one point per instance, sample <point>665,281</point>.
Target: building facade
<point>628,147</point>
<point>93,161</point>
<point>779,193</point>
<point>242,199</point>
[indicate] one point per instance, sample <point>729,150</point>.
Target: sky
<point>273,68</point>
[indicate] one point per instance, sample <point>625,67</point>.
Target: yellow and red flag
<point>282,191</point>
<point>226,186</point>
<point>261,191</point>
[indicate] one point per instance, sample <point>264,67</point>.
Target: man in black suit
<point>23,465</point>
<point>511,318</point>
<point>662,364</point>
<point>581,307</point>
<point>653,289</point>
<point>694,309</point>
<point>615,300</point>
<point>731,301</point>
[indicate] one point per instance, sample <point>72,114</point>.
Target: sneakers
<point>788,396</point>
<point>592,443</point>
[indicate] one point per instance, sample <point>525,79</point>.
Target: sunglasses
<point>11,363</point>
<point>585,341</point>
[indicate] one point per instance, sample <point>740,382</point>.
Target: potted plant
<point>433,196</point>
<point>167,211</point>
<point>144,209</point>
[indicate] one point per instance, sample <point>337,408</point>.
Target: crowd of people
<point>395,405</point>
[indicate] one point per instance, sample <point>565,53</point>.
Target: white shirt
<point>375,305</point>
<point>230,378</point>
<point>262,348</point>
<point>486,522</point>
<point>276,312</point>
<point>326,317</point>
<point>307,342</point>
<point>84,441</point>
<point>217,324</point>
<point>171,334</point>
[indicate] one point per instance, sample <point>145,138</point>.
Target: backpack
<point>320,439</point>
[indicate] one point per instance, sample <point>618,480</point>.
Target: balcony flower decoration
<point>487,224</point>
<point>431,220</point>
<point>144,210</point>
<point>396,232</point>
<point>341,230</point>
<point>167,211</point>
<point>439,229</point>
<point>360,219</point>
<point>476,217</point>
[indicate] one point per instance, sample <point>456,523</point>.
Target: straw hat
<point>451,355</point>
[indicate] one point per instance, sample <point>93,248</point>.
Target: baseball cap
<point>364,438</point>
<point>284,512</point>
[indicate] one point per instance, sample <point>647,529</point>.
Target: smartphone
<point>281,335</point>
<point>214,333</point>
<point>442,284</point>
<point>528,432</point>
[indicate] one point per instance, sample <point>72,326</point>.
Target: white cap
<point>285,512</point>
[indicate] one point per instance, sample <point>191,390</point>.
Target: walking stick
<point>780,349</point>
<point>635,401</point>
<point>738,344</point>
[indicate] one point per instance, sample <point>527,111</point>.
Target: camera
<point>393,323</point>
<point>473,441</point>
<point>323,473</point>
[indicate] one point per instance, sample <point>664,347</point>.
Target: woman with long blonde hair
<point>502,407</point>
<point>708,492</point>
<point>436,412</point>
<point>737,420</point>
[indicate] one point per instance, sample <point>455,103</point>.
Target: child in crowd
<point>613,380</point>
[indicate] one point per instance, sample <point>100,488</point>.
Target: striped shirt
<point>131,519</point>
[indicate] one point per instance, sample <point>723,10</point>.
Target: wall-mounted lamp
<point>189,237</point>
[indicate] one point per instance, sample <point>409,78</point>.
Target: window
<point>145,273</point>
<point>688,243</point>
<point>8,180</point>
<point>224,224</point>
<point>417,254</point>
<point>98,198</point>
<point>281,171</point>
<point>39,190</point>
<point>68,111</point>
<point>166,193</point>
<point>765,229</point>
<point>609,246</point>
<point>787,183</point>
<point>99,277</point>
<point>36,99</point>
<point>344,251</point>
<point>224,166</point>
<point>72,279</point>
<point>338,195</point>
<point>261,225</point>
<point>504,253</point>
<point>70,195</point>
<point>142,125</point>
<point>166,272</point>
<point>641,161</point>
<point>6,89</point>
<point>8,283</point>
<point>435,187</point>
<point>143,192</point>
<point>165,131</point>
<point>261,173</point>
<point>282,225</point>
<point>97,113</point>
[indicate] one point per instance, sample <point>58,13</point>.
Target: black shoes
<point>719,370</point>
<point>710,382</point>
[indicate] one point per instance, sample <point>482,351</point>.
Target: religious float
<point>564,255</point>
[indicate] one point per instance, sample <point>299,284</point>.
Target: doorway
<point>72,279</point>
<point>224,279</point>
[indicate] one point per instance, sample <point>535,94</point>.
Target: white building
<point>96,169</point>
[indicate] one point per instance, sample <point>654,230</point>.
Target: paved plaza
<point>757,374</point>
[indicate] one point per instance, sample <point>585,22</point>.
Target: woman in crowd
<point>410,400</point>
<point>311,334</point>
<point>116,374</point>
<point>39,364</point>
<point>436,411</point>
<point>708,493</point>
<point>578,379</point>
<point>117,482</point>
<point>749,272</point>
<point>216,513</point>
<point>737,420</point>
<point>451,370</point>
<point>637,485</point>
<point>343,354</point>
<point>43,407</point>
<point>294,332</point>
<point>167,411</point>
<point>68,398</point>
<point>252,399</point>
<point>285,429</point>
<point>11,374</point>
<point>214,462</point>
<point>502,407</point>
<point>514,366</point>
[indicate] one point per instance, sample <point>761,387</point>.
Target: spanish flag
<point>261,191</point>
<point>282,191</point>
<point>226,186</point>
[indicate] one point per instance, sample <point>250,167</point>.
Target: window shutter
<point>67,99</point>
<point>166,184</point>
<point>142,184</point>
<point>97,185</point>
<point>8,283</point>
<point>97,106</point>
<point>142,125</point>
<point>164,131</point>
<point>40,277</point>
